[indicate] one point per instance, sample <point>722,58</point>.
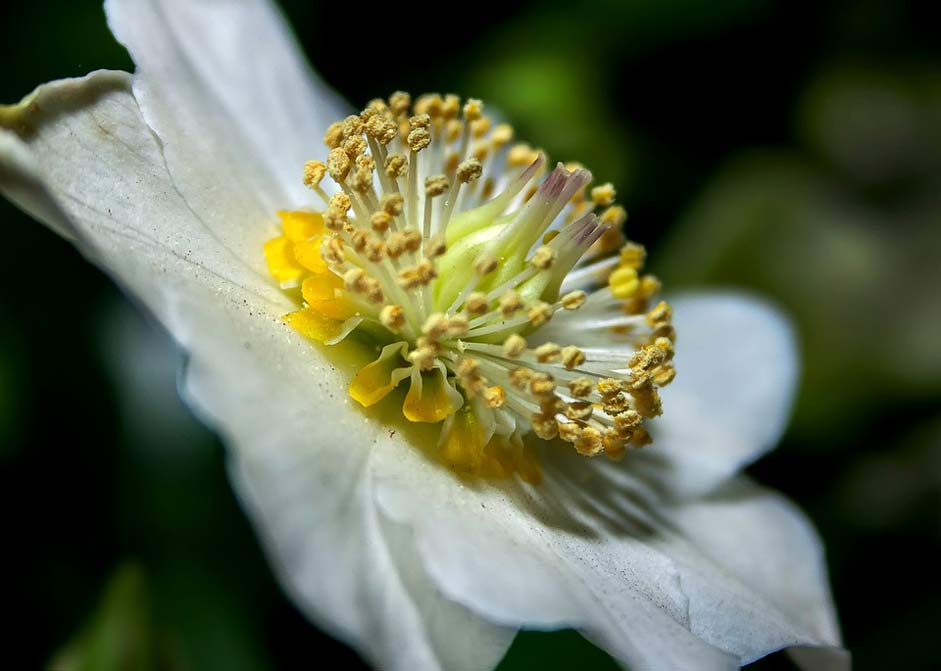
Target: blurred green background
<point>793,148</point>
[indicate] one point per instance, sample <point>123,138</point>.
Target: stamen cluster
<point>491,286</point>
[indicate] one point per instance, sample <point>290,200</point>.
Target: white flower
<point>169,180</point>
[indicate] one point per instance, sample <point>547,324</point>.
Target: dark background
<point>794,148</point>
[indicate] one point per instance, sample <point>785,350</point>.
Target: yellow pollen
<point>514,346</point>
<point>314,172</point>
<point>392,317</point>
<point>510,302</point>
<point>543,258</point>
<point>539,313</point>
<point>476,304</point>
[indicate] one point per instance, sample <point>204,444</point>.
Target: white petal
<point>570,552</point>
<point>736,375</point>
<point>303,464</point>
<point>754,571</point>
<point>77,155</point>
<point>710,584</point>
<point>88,164</point>
<point>234,103</point>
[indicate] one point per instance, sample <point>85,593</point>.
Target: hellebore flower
<point>413,347</point>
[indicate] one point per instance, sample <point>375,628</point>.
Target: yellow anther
<point>392,204</point>
<point>543,258</point>
<point>663,375</point>
<point>579,411</point>
<point>476,304</point>
<point>479,151</point>
<point>419,121</point>
<point>395,245</point>
<point>486,264</point>
<point>468,374</point>
<point>514,346</point>
<point>613,444</point>
<point>436,185</point>
<point>646,401</point>
<point>610,385</point>
<point>574,299</point>
<point>334,135</point>
<point>502,134</point>
<point>418,276</point>
<point>473,109</point>
<point>375,249</point>
<point>314,172</point>
<point>615,404</point>
<point>544,427</point>
<point>494,396</point>
<point>452,130</point>
<point>436,247</point>
<point>424,355</point>
<point>649,285</point>
<point>614,216</point>
<point>354,280</point>
<point>480,127</point>
<point>627,422</point>
<point>603,195</point>
<point>541,384</point>
<point>661,315</point>
<point>365,163</point>
<point>359,238</point>
<point>450,106</point>
<point>399,102</point>
<point>418,139</point>
<point>581,387</point>
<point>632,255</point>
<point>380,221</point>
<point>589,442</point>
<point>520,377</point>
<point>572,357</point>
<point>341,202</point>
<point>457,326</point>
<point>396,166</point>
<point>392,317</point>
<point>521,156</point>
<point>548,352</point>
<point>412,239</point>
<point>338,164</point>
<point>666,345</point>
<point>641,437</point>
<point>332,250</point>
<point>569,431</point>
<point>435,326</point>
<point>469,170</point>
<point>376,105</point>
<point>539,313</point>
<point>430,104</point>
<point>623,282</point>
<point>354,146</point>
<point>386,131</point>
<point>352,126</point>
<point>510,302</point>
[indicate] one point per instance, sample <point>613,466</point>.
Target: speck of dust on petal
<point>465,259</point>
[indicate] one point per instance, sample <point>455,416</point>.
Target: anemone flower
<point>432,358</point>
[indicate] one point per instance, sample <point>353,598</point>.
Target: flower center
<point>489,288</point>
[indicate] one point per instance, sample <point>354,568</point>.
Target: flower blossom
<point>434,360</point>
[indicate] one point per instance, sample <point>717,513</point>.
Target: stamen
<point>479,285</point>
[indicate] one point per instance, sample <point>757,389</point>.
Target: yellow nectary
<point>466,260</point>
